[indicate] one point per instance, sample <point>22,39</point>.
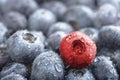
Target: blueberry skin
<point>109,37</point>
<point>55,39</point>
<point>15,21</point>
<point>79,16</point>
<point>79,74</point>
<point>3,31</point>
<point>60,26</point>
<point>112,2</point>
<point>116,60</point>
<point>47,66</point>
<point>88,3</point>
<point>91,32</point>
<point>24,46</point>
<point>13,76</point>
<point>4,58</point>
<point>103,69</point>
<point>57,7</point>
<point>105,52</point>
<point>106,15</point>
<point>16,68</point>
<point>41,20</point>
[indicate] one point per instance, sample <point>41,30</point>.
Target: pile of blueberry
<point>31,32</point>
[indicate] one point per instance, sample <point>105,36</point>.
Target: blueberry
<point>60,26</point>
<point>79,74</point>
<point>3,31</point>
<point>55,39</point>
<point>4,58</point>
<point>24,46</point>
<point>106,52</point>
<point>22,6</point>
<point>116,60</point>
<point>106,15</point>
<point>57,7</point>
<point>91,32</point>
<point>47,66</point>
<point>112,2</point>
<point>88,3</point>
<point>13,76</point>
<point>109,37</point>
<point>16,68</point>
<point>103,69</point>
<point>15,21</point>
<point>2,3</point>
<point>79,16</point>
<point>41,20</point>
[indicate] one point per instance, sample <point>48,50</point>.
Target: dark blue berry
<point>79,16</point>
<point>57,7</point>
<point>47,66</point>
<point>91,32</point>
<point>13,76</point>
<point>15,21</point>
<point>24,46</point>
<point>55,39</point>
<point>60,26</point>
<point>41,20</point>
<point>4,58</point>
<point>103,69</point>
<point>112,2</point>
<point>109,37</point>
<point>79,74</point>
<point>16,68</point>
<point>106,15</point>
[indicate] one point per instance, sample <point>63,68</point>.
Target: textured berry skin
<point>23,46</point>
<point>15,20</point>
<point>103,69</point>
<point>13,76</point>
<point>78,50</point>
<point>79,74</point>
<point>47,66</point>
<point>16,68</point>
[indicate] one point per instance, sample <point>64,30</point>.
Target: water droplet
<point>58,67</point>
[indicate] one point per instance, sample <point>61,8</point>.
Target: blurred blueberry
<point>22,6</point>
<point>15,21</point>
<point>105,52</point>
<point>106,15</point>
<point>31,7</point>
<point>3,31</point>
<point>79,16</point>
<point>88,3</point>
<point>55,39</point>
<point>47,66</point>
<point>41,19</point>
<point>4,58</point>
<point>115,3</point>
<point>24,46</point>
<point>60,26</point>
<point>13,76</point>
<point>116,60</point>
<point>57,7</point>
<point>79,74</point>
<point>103,69</point>
<point>109,37</point>
<point>91,32</point>
<point>16,68</point>
<point>2,3</point>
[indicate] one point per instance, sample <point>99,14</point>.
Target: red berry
<point>77,50</point>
